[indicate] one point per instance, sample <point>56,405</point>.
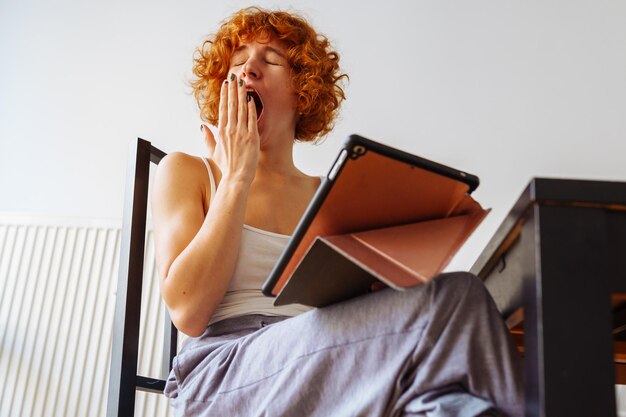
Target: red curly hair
<point>315,72</point>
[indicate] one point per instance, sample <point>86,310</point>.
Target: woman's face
<point>267,75</point>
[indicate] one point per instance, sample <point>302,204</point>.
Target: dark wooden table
<point>557,270</point>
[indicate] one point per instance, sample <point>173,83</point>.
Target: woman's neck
<point>276,157</point>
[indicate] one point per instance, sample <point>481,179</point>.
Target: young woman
<point>266,79</point>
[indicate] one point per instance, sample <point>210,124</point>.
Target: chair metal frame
<point>123,378</point>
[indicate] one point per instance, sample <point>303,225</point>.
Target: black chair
<point>123,378</point>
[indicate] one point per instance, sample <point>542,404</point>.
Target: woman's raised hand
<point>237,151</point>
<point>209,140</point>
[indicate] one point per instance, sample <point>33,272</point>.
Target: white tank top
<point>258,253</point>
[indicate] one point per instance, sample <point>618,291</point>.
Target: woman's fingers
<point>231,123</point>
<point>234,114</point>
<point>242,109</point>
<point>236,126</point>
<point>222,114</point>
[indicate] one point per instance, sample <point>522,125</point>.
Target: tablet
<point>371,186</point>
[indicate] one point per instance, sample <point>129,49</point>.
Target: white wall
<point>502,89</point>
<point>505,90</point>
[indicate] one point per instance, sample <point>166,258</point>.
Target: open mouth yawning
<point>258,103</point>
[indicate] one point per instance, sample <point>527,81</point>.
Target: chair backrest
<point>123,378</point>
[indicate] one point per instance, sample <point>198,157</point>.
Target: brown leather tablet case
<point>381,214</point>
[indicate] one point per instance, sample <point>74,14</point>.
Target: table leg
<point>568,343</point>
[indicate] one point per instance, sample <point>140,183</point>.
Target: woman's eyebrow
<point>238,50</point>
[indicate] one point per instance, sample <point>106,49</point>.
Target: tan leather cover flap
<point>343,266</point>
<point>408,255</point>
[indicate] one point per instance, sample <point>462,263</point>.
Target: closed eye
<point>268,62</point>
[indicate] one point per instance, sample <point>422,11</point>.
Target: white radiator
<point>57,298</point>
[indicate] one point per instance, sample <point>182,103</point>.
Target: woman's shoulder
<point>182,164</point>
<point>181,160</point>
<point>179,169</point>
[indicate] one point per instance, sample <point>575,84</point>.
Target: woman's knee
<point>461,286</point>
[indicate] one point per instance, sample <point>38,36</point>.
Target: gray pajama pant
<point>440,349</point>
